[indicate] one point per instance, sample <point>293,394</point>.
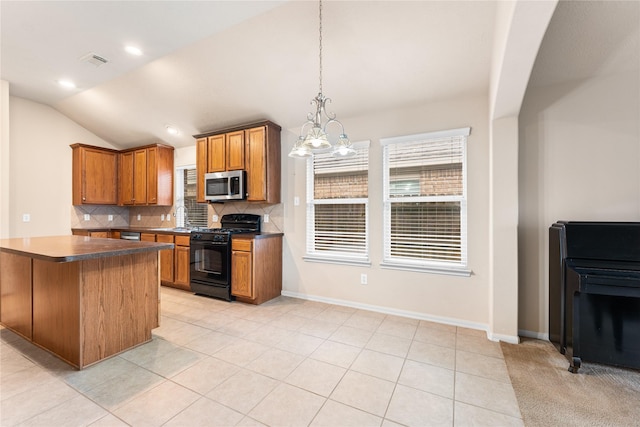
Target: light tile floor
<point>287,362</point>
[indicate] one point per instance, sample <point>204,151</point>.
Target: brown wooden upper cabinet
<point>95,175</point>
<point>225,152</point>
<point>253,147</point>
<point>146,176</point>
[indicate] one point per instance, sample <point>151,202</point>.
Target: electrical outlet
<point>139,217</point>
<point>363,279</point>
<point>110,217</point>
<point>214,218</point>
<point>87,217</point>
<point>26,217</point>
<point>162,217</point>
<point>266,218</point>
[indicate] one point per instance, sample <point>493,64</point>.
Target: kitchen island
<point>83,299</point>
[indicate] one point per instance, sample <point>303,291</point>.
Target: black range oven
<point>211,255</point>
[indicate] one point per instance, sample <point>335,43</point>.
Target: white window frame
<point>334,257</point>
<point>179,196</point>
<point>425,265</point>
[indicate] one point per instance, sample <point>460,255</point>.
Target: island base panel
<point>120,304</point>
<point>15,293</point>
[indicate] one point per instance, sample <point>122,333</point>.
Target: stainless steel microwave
<point>223,186</point>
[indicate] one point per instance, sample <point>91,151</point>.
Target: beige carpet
<point>549,395</point>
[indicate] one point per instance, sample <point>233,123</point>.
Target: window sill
<point>450,271</point>
<point>342,260</point>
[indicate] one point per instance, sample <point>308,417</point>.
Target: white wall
<point>40,174</point>
<point>459,300</point>
<point>5,168</point>
<point>579,160</point>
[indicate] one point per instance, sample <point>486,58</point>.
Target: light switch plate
<point>214,218</point>
<point>87,217</point>
<point>110,217</point>
<point>26,217</point>
<point>139,217</point>
<point>266,218</point>
<point>296,201</point>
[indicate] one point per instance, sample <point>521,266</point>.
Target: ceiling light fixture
<point>68,84</point>
<point>133,50</point>
<point>316,139</point>
<point>172,130</point>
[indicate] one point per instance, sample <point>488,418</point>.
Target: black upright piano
<point>594,292</point>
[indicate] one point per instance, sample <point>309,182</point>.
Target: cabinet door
<point>99,177</point>
<point>181,276</point>
<point>257,164</point>
<point>126,178</point>
<point>241,274</point>
<point>201,168</point>
<point>166,259</point>
<point>140,177</point>
<point>235,150</point>
<point>152,176</point>
<point>216,153</point>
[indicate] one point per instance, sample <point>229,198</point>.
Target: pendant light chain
<point>320,30</point>
<point>316,138</point>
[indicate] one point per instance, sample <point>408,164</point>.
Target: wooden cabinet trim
<point>240,127</point>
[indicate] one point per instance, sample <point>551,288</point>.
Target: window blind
<point>424,193</point>
<point>337,206</point>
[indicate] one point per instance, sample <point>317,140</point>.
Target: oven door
<point>210,262</point>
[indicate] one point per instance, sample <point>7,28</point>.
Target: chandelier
<point>317,138</point>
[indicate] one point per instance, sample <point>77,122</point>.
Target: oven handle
<point>201,243</point>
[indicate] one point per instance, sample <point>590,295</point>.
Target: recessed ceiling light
<point>133,50</point>
<point>172,130</point>
<point>67,84</point>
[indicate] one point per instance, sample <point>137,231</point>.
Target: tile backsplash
<point>275,212</point>
<point>99,216</point>
<point>151,216</point>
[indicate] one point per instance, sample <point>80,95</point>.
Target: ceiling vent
<point>94,59</point>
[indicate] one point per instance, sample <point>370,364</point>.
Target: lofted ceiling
<point>211,64</point>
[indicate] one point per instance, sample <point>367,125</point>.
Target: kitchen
<point>486,301</point>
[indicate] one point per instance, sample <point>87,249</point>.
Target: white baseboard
<point>405,313</point>
<point>532,334</point>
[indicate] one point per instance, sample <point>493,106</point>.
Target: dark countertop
<point>261,235</point>
<point>76,248</point>
<point>155,230</point>
<point>169,230</point>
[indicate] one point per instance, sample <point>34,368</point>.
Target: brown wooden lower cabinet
<point>182,259</point>
<point>100,234</point>
<point>82,311</point>
<point>256,267</point>
<point>147,237</point>
<point>166,259</point>
<point>174,263</point>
